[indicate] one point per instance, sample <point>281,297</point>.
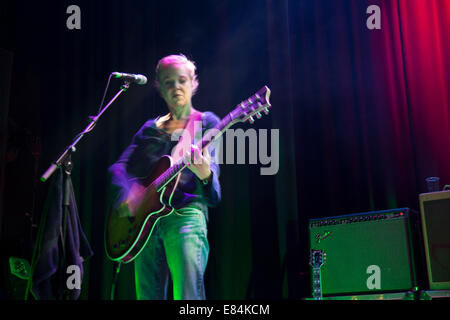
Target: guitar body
<point>127,231</point>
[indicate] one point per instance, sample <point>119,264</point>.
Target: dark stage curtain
<point>362,116</point>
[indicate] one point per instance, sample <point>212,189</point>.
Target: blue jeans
<point>179,248</point>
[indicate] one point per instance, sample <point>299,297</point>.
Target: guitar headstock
<point>317,258</point>
<point>253,106</point>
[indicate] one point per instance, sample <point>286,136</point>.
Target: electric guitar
<point>316,261</point>
<point>130,225</point>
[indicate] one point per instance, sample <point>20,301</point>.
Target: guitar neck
<point>214,134</point>
<point>316,284</point>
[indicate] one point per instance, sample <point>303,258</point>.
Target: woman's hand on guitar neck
<point>198,162</point>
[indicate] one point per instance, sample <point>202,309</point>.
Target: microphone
<point>136,78</point>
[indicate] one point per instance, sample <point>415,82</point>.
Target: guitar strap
<point>187,138</point>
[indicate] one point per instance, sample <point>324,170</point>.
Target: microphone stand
<point>64,160</point>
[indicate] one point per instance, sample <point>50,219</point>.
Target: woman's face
<point>175,86</point>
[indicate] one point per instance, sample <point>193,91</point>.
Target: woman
<point>178,247</point>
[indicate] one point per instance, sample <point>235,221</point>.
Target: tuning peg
<point>251,120</point>
<point>258,115</point>
<point>266,110</point>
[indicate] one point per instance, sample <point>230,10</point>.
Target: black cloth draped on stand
<point>55,255</point>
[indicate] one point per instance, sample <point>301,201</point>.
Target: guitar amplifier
<point>435,216</point>
<point>366,252</point>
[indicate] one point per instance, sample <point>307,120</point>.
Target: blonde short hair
<point>177,60</point>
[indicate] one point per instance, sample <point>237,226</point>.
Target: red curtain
<point>371,106</point>
<point>414,45</point>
